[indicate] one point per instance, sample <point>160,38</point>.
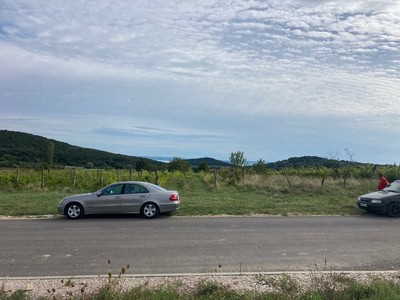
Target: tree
<point>351,161</point>
<point>50,155</point>
<point>259,167</point>
<point>203,166</point>
<point>178,164</point>
<point>237,159</point>
<point>140,164</point>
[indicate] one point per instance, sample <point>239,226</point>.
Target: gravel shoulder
<point>38,288</point>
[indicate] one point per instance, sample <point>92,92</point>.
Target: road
<point>61,247</point>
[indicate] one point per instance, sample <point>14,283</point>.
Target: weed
<point>70,282</point>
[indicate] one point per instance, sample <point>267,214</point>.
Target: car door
<point>109,200</point>
<point>133,197</point>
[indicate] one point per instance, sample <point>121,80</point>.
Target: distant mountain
<point>29,150</point>
<point>165,159</point>
<point>308,161</point>
<point>212,162</point>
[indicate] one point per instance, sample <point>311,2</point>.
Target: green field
<point>266,195</point>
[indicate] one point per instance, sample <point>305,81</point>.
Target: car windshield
<point>157,187</point>
<point>394,187</point>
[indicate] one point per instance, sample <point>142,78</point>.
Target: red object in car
<point>174,197</point>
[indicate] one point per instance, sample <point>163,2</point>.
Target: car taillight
<point>174,197</point>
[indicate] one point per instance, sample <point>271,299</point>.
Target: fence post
<point>73,183</point>
<point>117,175</point>
<point>101,177</point>
<point>130,174</point>
<point>17,174</point>
<point>42,177</point>
<point>243,175</point>
<point>215,177</point>
<point>322,182</point>
<point>289,182</point>
<point>373,172</point>
<point>156,177</point>
<point>141,175</point>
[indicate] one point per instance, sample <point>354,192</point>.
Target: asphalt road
<point>61,247</point>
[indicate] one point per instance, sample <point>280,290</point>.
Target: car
<point>384,201</point>
<point>122,197</point>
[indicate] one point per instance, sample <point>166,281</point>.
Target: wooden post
<point>184,174</point>
<point>243,175</point>
<point>130,174</point>
<point>215,177</point>
<point>42,177</point>
<point>156,177</point>
<point>101,177</point>
<point>141,175</point>
<point>17,175</point>
<point>373,172</point>
<point>117,175</point>
<point>322,182</point>
<point>73,183</point>
<point>289,182</point>
<point>149,176</point>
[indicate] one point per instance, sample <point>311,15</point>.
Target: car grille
<point>365,200</point>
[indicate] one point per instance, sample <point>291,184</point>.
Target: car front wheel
<point>150,210</point>
<point>74,211</point>
<point>393,210</point>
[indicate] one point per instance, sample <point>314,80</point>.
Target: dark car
<point>384,201</point>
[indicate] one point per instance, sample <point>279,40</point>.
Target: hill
<point>28,150</point>
<point>309,161</point>
<point>212,162</point>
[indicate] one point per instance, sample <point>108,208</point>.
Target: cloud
<point>136,63</point>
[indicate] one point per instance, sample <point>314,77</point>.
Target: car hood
<point>381,195</point>
<point>79,197</point>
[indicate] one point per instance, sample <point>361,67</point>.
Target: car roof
<point>124,182</point>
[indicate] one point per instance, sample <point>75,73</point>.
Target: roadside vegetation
<point>326,287</point>
<point>200,193</point>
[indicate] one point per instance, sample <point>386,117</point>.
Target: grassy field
<point>270,195</point>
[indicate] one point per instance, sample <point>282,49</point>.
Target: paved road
<point>197,245</point>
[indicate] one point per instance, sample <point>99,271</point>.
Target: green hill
<point>212,162</point>
<point>28,150</point>
<point>309,161</point>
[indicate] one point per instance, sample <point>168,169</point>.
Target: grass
<point>259,195</point>
<point>332,288</point>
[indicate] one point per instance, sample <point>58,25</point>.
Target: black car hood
<point>381,195</point>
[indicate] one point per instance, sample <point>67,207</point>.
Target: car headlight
<point>359,198</point>
<point>376,201</point>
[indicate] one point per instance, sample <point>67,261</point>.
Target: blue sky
<point>274,79</point>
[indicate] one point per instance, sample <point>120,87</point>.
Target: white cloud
<point>279,58</point>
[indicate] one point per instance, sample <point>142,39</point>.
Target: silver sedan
<point>122,197</point>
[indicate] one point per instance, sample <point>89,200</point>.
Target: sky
<point>274,79</point>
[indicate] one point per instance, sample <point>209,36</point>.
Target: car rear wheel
<point>74,211</point>
<point>150,210</point>
<point>393,210</point>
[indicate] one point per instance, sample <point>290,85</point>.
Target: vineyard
<point>307,191</point>
<point>89,179</point>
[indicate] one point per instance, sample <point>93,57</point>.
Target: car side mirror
<point>98,194</point>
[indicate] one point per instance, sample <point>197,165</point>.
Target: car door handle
<point>118,197</point>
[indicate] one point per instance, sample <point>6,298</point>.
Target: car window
<point>114,189</point>
<point>135,189</point>
<point>394,187</point>
<point>157,187</point>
